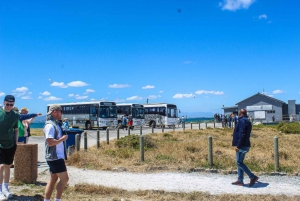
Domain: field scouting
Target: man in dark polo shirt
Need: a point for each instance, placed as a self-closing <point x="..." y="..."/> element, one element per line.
<point x="8" y="143"/>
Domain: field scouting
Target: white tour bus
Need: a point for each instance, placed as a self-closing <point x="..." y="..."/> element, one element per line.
<point x="135" y="110"/>
<point x="90" y="115"/>
<point x="160" y="114"/>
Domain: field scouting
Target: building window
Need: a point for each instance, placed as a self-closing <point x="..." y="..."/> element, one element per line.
<point x="270" y="111"/>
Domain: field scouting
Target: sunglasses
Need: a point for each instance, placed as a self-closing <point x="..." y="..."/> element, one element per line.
<point x="9" y="105"/>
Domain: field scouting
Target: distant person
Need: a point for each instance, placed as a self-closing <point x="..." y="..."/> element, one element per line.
<point x="8" y="143"/>
<point x="273" y="118"/>
<point x="235" y="119"/>
<point x="26" y="120"/>
<point x="241" y="142"/>
<point x="124" y="122"/>
<point x="178" y="121"/>
<point x="65" y="124"/>
<point x="130" y="122"/>
<point x="251" y="119"/>
<point x="55" y="153"/>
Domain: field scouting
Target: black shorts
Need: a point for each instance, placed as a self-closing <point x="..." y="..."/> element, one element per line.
<point x="57" y="166"/>
<point x="7" y="155"/>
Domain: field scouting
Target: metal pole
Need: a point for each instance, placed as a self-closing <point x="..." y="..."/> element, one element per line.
<point x="183" y="126"/>
<point x="162" y="128"/>
<point x="173" y="127"/>
<point x="152" y="128"/>
<point x="85" y="141"/>
<point x="210" y="151"/>
<point x="98" y="139"/>
<point x="77" y="142"/>
<point x="128" y="128"/>
<point x="141" y="130"/>
<point x="276" y="154"/>
<point x="214" y="125"/>
<point x="118" y="132"/>
<point x="142" y="148"/>
<point x="107" y="135"/>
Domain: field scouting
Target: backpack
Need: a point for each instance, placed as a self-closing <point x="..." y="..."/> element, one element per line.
<point x="21" y="129"/>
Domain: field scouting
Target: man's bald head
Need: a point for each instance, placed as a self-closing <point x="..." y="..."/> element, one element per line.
<point x="243" y="112"/>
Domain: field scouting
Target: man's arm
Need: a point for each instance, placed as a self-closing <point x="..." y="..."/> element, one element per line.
<point x="16" y="131"/>
<point x="27" y="116"/>
<point x="53" y="142"/>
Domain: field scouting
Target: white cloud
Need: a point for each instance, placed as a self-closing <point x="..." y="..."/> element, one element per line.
<point x="278" y="91"/>
<point x="158" y="96"/>
<point x="51" y="98"/>
<point x="71" y="95"/>
<point x="183" y="96"/>
<point x="148" y="87"/>
<point x="93" y="99"/>
<point x="58" y="84"/>
<point x="40" y="97"/>
<point x="118" y="85"/>
<point x="77" y="96"/>
<point x="46" y="93"/>
<point x="26" y="97"/>
<point x="134" y="98"/>
<point x="152" y="97"/>
<point x="199" y="92"/>
<point x="234" y="5"/>
<point x="161" y="92"/>
<point x="77" y="84"/>
<point x="263" y="16"/>
<point x="29" y="93"/>
<point x="20" y="91"/>
<point x="119" y="100"/>
<point x="2" y="94"/>
<point x="187" y="62"/>
<point x="90" y="91"/>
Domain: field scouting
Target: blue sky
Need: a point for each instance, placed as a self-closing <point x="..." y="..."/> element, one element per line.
<point x="199" y="55"/>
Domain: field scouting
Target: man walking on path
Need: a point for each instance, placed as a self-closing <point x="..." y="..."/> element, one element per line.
<point x="241" y="140"/>
<point x="55" y="153"/>
<point x="8" y="143"/>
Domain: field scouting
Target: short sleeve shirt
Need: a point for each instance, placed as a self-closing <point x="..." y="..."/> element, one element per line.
<point x="8" y="122"/>
<point x="49" y="131"/>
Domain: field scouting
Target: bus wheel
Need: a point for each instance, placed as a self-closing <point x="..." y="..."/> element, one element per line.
<point x="88" y="126"/>
<point x="153" y="124"/>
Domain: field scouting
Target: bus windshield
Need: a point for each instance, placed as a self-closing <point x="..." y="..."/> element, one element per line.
<point x="172" y="112"/>
<point x="108" y="112"/>
<point x="138" y="113"/>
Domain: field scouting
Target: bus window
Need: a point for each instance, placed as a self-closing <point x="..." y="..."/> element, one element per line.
<point x="93" y="111"/>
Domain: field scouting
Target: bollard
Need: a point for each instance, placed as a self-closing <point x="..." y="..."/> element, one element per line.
<point x="152" y="128"/>
<point x="162" y="128"/>
<point x="85" y="141"/>
<point x="107" y="135"/>
<point x="174" y="127"/>
<point x="276" y="154"/>
<point x="98" y="139"/>
<point x="191" y="126"/>
<point x="77" y="142"/>
<point x="183" y="126"/>
<point x="118" y="132"/>
<point x="206" y="125"/>
<point x="214" y="125"/>
<point x="142" y="148"/>
<point x="210" y="151"/>
<point x="128" y="130"/>
<point x="199" y="126"/>
<point x="141" y="130"/>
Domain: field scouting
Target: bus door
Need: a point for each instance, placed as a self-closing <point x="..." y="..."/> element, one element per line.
<point x="93" y="115"/>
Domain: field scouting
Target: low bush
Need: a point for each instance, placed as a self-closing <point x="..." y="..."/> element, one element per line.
<point x="289" y="128"/>
<point x="133" y="141"/>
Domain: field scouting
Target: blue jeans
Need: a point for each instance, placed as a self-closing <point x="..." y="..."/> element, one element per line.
<point x="240" y="156"/>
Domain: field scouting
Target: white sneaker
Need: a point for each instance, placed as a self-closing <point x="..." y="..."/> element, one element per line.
<point x="7" y="193"/>
<point x="2" y="196"/>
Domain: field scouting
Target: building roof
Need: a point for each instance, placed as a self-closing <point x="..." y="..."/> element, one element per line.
<point x="230" y="107"/>
<point x="263" y="95"/>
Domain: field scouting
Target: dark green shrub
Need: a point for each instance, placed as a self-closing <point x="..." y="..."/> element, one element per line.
<point x="133" y="141"/>
<point x="293" y="128"/>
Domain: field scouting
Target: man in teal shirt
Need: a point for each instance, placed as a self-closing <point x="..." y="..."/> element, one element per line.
<point x="8" y="143"/>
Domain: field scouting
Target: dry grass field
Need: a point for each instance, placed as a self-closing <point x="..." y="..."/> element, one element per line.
<point x="184" y="151"/>
<point x="179" y="151"/>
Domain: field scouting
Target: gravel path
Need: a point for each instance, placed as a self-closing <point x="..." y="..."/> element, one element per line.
<point x="186" y="182"/>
